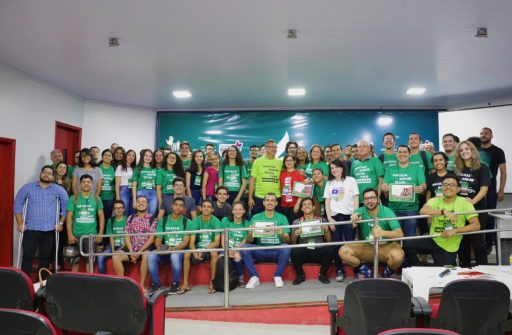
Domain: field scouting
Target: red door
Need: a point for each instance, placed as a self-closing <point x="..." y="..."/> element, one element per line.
<point x="68" y="139"/>
<point x="8" y="154"/>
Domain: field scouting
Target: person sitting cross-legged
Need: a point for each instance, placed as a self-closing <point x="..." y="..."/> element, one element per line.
<point x="173" y="222"/>
<point x="358" y="255"/>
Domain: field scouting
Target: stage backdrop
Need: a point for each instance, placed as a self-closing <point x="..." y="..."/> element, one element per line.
<point x="305" y="127"/>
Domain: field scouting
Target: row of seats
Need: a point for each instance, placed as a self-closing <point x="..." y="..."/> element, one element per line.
<point x="468" y="307"/>
<point x="80" y="302"/>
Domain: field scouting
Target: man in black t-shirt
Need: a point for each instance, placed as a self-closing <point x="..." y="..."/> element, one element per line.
<point x="494" y="157"/>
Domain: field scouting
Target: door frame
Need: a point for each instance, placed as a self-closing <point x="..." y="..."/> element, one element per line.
<point x="7" y="239"/>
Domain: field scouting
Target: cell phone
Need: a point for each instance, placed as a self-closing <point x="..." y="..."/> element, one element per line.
<point x="445" y="273"/>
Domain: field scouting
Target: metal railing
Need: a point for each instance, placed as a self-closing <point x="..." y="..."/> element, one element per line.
<point x="225" y="231"/>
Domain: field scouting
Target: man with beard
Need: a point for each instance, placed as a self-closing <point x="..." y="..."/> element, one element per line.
<point x="43" y="197"/>
<point x="450" y="141"/>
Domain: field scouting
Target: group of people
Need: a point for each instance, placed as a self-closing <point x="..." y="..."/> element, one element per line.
<point x="190" y="191"/>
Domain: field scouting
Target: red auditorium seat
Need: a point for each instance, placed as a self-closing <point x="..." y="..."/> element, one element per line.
<point x="16" y="321"/>
<point x="16" y="289"/>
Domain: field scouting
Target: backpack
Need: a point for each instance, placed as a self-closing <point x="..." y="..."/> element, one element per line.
<point x="218" y="280"/>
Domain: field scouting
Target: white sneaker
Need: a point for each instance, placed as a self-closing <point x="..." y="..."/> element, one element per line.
<point x="253" y="282"/>
<point x="278" y="282"/>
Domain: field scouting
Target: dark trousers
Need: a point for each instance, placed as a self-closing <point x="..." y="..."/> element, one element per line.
<point x="475" y="241"/>
<point x="290" y="215"/>
<point x="492" y="201"/>
<point x="32" y="240"/>
<point x="427" y="246"/>
<point x="343" y="232"/>
<point x="322" y="256"/>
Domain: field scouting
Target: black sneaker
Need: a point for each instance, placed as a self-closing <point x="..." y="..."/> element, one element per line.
<point x="299" y="280"/>
<point x="323" y="278"/>
<point x="174" y="288"/>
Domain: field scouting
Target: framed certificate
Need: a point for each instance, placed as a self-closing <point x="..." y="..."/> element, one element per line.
<point x="309" y="228"/>
<point x="264" y="232"/>
<point x="402" y="193"/>
<point x="302" y="190"/>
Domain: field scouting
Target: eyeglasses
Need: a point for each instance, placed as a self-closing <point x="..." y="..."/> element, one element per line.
<point x="449" y="185"/>
<point x="370" y="198"/>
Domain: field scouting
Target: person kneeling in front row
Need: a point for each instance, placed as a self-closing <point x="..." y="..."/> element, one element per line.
<point x="358" y="254"/>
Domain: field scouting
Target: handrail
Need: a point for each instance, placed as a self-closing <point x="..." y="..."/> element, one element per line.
<point x="226" y="249"/>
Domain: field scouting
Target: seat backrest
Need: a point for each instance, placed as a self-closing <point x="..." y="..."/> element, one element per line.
<point x="16" y="289"/>
<point x="89" y="303"/>
<point x="418" y="331"/>
<point x="375" y="305"/>
<point x="21" y="322"/>
<point x="474" y="306"/>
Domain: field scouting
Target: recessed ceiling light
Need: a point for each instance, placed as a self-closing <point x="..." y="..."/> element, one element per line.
<point x="416" y="91"/>
<point x="296" y="92"/>
<point x="181" y="94"/>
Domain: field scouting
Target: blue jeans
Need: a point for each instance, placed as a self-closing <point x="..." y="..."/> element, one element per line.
<point x="125" y="194"/>
<point x="176" y="260"/>
<point x="343" y="232"/>
<point x="152" y="200"/>
<point x="280" y="256"/>
<point x="408" y="225"/>
<point x="102" y="259"/>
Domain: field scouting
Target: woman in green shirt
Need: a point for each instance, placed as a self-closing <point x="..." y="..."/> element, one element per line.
<point x="107" y="193"/>
<point x="172" y="168"/>
<point x="233" y="174"/>
<point x="144" y="181"/>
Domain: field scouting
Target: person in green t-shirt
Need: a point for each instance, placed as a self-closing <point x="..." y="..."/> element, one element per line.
<point x="264" y="179"/>
<point x="403" y="184"/>
<point x="107" y="193"/>
<point x="356" y="255"/>
<point x="388" y="157"/>
<point x="368" y="171"/>
<point x="450" y="141"/>
<point x="444" y="222"/>
<point x="115" y="225"/>
<point x="233" y="175"/>
<point x="198" y="241"/>
<point x="172" y="168"/>
<point x="84" y="217"/>
<point x="185" y="154"/>
<point x="236" y="238"/>
<point x="318" y="191"/>
<point x="174" y="222"/>
<point x="418" y="157"/>
<point x="144" y="181"/>
<point x="267" y="237"/>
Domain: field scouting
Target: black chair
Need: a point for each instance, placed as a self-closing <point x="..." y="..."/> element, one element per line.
<point x="418" y="331"/>
<point x="16" y="289"/>
<point x="375" y="305"/>
<point x="90" y="303"/>
<point x="21" y="322"/>
<point x="474" y="306"/>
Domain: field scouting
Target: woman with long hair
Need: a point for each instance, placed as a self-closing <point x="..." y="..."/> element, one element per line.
<point x="289" y="175"/>
<point x="474" y="183"/>
<point x="194" y="177"/>
<point x="233" y="174"/>
<point x="61" y="176"/>
<point x="173" y="167"/>
<point x="341" y="196"/>
<point x="107" y="193"/>
<point x="123" y="180"/>
<point x="302" y="158"/>
<point x="119" y="154"/>
<point x="158" y="159"/>
<point x="211" y="178"/>
<point x="316" y="161"/>
<point x="144" y="181"/>
<point x="236" y="238"/>
<point x="87" y="165"/>
<point x="435" y="179"/>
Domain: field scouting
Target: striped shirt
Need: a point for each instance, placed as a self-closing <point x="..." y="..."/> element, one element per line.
<point x="42" y="205"/>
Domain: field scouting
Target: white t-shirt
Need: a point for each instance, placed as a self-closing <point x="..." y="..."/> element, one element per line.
<point x="341" y="195"/>
<point x="125" y="175"/>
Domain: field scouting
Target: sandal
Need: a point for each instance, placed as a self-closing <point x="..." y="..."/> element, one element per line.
<point x="211" y="289"/>
<point x="183" y="290"/>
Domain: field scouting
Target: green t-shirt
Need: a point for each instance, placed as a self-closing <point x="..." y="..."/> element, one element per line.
<point x="232" y="177"/>
<point x="171" y="240"/>
<point x="145" y="178"/>
<point x="366" y="174"/>
<point x="440" y="223"/>
<point x="410" y="175"/>
<point x="204" y="239"/>
<point x="390" y="160"/>
<point x="279" y="221"/>
<point x="266" y="173"/>
<point x="235" y="237"/>
<point x="318" y="193"/>
<point x="164" y="178"/>
<point x="85" y="213"/>
<point x="107" y="187"/>
<point x="450" y="166"/>
<point x="116" y="227"/>
<point x="384" y="213"/>
<point x="186" y="164"/>
<point x="415" y="159"/>
<point x="310" y="167"/>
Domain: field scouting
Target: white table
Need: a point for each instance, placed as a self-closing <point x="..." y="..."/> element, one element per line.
<point x="422" y="278"/>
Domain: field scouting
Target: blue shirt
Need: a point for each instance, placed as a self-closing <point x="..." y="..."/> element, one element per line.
<point x="42" y="204"/>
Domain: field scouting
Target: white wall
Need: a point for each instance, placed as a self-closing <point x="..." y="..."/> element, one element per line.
<point x="469" y="123"/>
<point x="132" y="128"/>
<point x="28" y="111"/>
